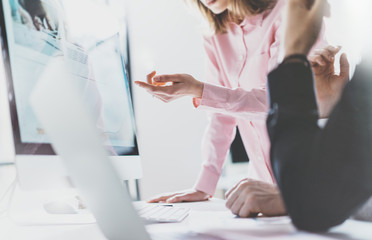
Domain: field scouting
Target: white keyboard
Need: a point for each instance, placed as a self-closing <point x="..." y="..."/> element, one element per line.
<point x="161" y="212"/>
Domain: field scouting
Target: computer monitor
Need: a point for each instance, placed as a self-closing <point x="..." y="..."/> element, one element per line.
<point x="91" y="37"/>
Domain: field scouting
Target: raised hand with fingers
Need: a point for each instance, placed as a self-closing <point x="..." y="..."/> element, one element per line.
<point x="183" y="196"/>
<point x="170" y="87"/>
<point x="328" y="84"/>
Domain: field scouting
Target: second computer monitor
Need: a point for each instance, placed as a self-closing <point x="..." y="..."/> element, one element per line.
<point x="90" y="35"/>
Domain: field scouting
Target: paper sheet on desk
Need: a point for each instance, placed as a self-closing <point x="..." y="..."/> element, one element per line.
<point x="227" y="226"/>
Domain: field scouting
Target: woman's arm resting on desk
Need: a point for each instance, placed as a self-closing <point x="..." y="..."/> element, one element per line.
<point x="182" y="196"/>
<point x="216" y="143"/>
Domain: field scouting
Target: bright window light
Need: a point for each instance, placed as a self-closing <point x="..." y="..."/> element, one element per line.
<point x="350" y="26"/>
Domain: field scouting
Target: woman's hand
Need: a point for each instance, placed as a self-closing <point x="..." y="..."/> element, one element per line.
<point x="170" y="87"/>
<point x="328" y="85"/>
<point x="183" y="196"/>
<point x="249" y="197"/>
<point x="304" y="21"/>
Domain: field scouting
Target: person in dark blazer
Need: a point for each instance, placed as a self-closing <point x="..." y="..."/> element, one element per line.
<point x="324" y="174"/>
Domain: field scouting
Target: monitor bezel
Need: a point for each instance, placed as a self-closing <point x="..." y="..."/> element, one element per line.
<point x="27" y="148"/>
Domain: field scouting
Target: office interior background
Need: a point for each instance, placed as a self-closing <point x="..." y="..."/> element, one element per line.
<point x="165" y="35"/>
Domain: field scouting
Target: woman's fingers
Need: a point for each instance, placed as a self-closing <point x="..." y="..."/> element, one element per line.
<point x="162" y="198"/>
<point x="179" y="85"/>
<point x="150" y="77"/>
<point x="164" y="93"/>
<point x="154" y="89"/>
<point x="175" y="78"/>
<point x="184" y="196"/>
<point x="146" y="86"/>
<point x="188" y="197"/>
<point x="179" y="198"/>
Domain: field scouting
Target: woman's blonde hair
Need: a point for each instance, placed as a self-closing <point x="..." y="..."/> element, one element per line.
<point x="240" y="9"/>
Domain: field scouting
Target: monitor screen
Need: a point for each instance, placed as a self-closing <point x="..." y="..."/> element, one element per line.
<point x="90" y="36"/>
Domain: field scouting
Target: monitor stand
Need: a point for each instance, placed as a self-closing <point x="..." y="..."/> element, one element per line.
<point x="62" y="207"/>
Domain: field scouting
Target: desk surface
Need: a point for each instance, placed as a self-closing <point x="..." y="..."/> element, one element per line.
<point x="210" y="218"/>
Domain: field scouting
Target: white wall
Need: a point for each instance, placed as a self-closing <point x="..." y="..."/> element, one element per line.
<point x="166" y="37"/>
<point x="348" y="27"/>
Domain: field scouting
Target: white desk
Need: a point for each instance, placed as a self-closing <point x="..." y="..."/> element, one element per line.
<point x="209" y="217"/>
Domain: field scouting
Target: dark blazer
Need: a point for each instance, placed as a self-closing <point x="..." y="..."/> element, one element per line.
<point x="324" y="175"/>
